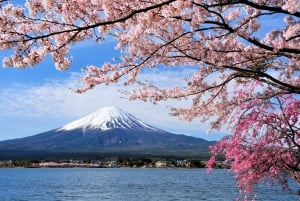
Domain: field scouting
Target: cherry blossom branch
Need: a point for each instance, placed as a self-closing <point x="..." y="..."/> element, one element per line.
<point x="256" y="74"/>
<point x="99" y="24"/>
<point x="254" y="5"/>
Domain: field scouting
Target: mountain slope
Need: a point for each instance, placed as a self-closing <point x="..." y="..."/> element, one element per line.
<point x="109" y="131"/>
<point x="108" y="118"/>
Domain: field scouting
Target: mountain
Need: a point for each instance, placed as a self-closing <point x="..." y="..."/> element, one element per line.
<point x="109" y="131"/>
<point x="108" y="118"/>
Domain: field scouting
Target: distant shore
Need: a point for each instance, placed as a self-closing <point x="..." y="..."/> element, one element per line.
<point x="109" y="163"/>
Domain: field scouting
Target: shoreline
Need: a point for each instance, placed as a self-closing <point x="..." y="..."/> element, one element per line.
<point x="119" y="163"/>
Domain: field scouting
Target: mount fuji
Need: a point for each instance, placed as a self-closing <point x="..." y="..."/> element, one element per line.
<point x="110" y="131"/>
<point x="108" y="118"/>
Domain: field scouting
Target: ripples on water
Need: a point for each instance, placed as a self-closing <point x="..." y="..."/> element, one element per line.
<point x="72" y="184"/>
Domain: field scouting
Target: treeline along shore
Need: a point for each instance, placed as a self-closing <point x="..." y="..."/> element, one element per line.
<point x="111" y="163"/>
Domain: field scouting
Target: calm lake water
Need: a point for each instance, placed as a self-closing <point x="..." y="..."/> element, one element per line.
<point x="72" y="184"/>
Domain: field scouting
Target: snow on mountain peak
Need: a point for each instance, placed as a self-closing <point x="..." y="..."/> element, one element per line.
<point x="107" y="118"/>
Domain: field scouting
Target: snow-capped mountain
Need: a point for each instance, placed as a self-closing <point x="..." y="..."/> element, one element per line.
<point x="109" y="131"/>
<point x="107" y="118"/>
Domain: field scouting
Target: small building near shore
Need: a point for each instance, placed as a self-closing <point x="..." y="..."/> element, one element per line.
<point x="161" y="164"/>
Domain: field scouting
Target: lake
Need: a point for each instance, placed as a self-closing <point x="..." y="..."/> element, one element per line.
<point x="96" y="184"/>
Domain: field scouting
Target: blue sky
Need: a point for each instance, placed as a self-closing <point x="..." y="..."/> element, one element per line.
<point x="38" y="99"/>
